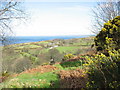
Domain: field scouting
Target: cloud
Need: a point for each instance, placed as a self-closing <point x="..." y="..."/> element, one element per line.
<point x="54" y="24"/>
<point x="62" y="20"/>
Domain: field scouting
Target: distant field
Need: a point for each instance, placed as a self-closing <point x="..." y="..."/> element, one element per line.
<point x="37" y="53"/>
<point x="29" y="46"/>
<point x="63" y="49"/>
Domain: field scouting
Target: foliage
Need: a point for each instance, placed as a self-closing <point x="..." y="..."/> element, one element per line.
<point x="21" y="65"/>
<point x="110" y="31"/>
<point x="31" y="57"/>
<point x="103" y="71"/>
<point x="72" y="63"/>
<point x="68" y="56"/>
<point x="5" y="74"/>
<point x="104" y="11"/>
<point x="73" y="79"/>
<point x="54" y="54"/>
<point x="45" y="64"/>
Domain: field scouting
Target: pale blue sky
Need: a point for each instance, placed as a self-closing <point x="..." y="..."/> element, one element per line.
<point x="68" y="17"/>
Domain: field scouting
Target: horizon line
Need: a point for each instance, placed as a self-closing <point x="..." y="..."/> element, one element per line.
<point x="62" y="35"/>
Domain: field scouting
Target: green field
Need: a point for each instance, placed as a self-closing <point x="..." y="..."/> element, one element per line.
<point x="63" y="49"/>
<point x="39" y="80"/>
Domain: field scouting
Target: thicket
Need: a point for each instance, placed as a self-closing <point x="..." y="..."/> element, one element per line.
<point x="104" y="70"/>
<point x="68" y="56"/>
<point x="110" y="32"/>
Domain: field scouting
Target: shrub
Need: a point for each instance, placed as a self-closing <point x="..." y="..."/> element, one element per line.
<point x="73" y="79"/>
<point x="74" y="63"/>
<point x="53" y="54"/>
<point x="103" y="71"/>
<point x="68" y="56"/>
<point x="21" y="64"/>
<point x="110" y="31"/>
<point x="33" y="58"/>
<point x="45" y="64"/>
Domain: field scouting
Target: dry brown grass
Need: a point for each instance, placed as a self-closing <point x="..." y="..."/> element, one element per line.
<point x="72" y="79"/>
<point x="41" y="69"/>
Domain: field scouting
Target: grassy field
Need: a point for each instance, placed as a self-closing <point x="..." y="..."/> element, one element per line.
<point x="46" y="76"/>
<point x="63" y="49"/>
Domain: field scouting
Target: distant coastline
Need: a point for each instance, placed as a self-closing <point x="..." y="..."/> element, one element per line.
<point x="27" y="39"/>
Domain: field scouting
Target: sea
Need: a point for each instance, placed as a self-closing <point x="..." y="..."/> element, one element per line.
<point x="26" y="39"/>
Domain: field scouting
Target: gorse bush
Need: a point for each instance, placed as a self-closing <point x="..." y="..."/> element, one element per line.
<point x="110" y="31"/>
<point x="68" y="56"/>
<point x="103" y="71"/>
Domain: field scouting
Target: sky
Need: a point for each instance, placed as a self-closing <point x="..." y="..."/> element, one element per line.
<point x="56" y="17"/>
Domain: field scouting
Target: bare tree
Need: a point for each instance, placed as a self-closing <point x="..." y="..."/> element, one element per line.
<point x="103" y="12"/>
<point x="10" y="10"/>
